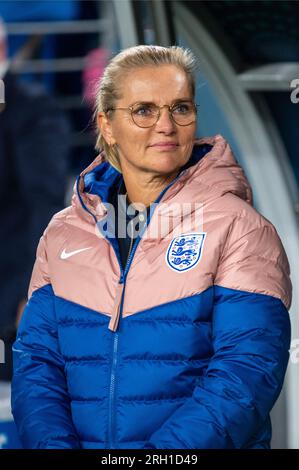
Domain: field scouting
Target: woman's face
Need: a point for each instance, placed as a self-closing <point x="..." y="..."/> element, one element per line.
<point x="137" y="147"/>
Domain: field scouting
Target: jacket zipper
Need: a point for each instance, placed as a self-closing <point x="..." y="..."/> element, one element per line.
<point x="115" y="317"/>
<point x="114" y="323"/>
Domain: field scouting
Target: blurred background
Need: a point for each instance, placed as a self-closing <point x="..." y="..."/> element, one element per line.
<point x="51" y="54"/>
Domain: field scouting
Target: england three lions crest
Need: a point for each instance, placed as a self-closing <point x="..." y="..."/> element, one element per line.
<point x="184" y="252"/>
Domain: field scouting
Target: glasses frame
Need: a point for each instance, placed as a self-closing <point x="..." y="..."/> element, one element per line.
<point x="170" y="109"/>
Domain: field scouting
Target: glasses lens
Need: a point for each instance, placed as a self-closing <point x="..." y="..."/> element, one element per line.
<point x="145" y="115"/>
<point x="184" y="113"/>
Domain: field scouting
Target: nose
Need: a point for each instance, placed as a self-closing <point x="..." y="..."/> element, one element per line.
<point x="165" y="122"/>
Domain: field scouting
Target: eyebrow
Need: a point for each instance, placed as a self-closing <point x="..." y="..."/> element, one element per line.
<point x="177" y="100"/>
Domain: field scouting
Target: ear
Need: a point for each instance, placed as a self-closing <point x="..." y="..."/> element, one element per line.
<point x="105" y="127"/>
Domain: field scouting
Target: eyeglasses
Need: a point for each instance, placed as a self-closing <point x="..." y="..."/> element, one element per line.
<point x="147" y="114"/>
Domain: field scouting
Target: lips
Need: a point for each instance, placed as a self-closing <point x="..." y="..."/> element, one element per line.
<point x="165" y="144"/>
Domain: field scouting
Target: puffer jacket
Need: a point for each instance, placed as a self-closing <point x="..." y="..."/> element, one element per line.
<point x="185" y="348"/>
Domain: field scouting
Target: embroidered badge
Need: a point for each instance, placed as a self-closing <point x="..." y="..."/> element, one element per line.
<point x="185" y="251"/>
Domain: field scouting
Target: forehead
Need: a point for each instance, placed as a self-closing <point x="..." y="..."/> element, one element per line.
<point x="158" y="84"/>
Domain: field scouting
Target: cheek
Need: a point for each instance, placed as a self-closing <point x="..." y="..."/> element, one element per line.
<point x="187" y="142"/>
<point x="140" y="138"/>
<point x="188" y="138"/>
<point x="132" y="141"/>
<point x="188" y="132"/>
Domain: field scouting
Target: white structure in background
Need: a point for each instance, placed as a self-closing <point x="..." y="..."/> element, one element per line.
<point x="5" y="410"/>
<point x="3" y="440"/>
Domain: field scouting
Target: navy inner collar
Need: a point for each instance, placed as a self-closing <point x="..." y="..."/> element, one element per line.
<point x="124" y="207"/>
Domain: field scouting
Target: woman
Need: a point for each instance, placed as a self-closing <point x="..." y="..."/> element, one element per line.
<point x="179" y="337"/>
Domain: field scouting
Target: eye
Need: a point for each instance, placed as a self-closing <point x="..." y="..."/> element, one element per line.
<point x="182" y="108"/>
<point x="143" y="110"/>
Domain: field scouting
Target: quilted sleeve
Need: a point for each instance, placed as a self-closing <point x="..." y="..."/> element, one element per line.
<point x="40" y="401"/>
<point x="251" y="341"/>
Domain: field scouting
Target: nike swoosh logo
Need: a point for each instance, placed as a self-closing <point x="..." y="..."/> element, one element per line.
<point x="65" y="255"/>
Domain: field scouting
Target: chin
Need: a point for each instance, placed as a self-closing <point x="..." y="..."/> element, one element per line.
<point x="165" y="168"/>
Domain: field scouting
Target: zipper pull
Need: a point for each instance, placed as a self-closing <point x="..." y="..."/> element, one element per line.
<point x="116" y="308"/>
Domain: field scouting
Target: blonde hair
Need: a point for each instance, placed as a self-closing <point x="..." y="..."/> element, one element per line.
<point x="109" y="86"/>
